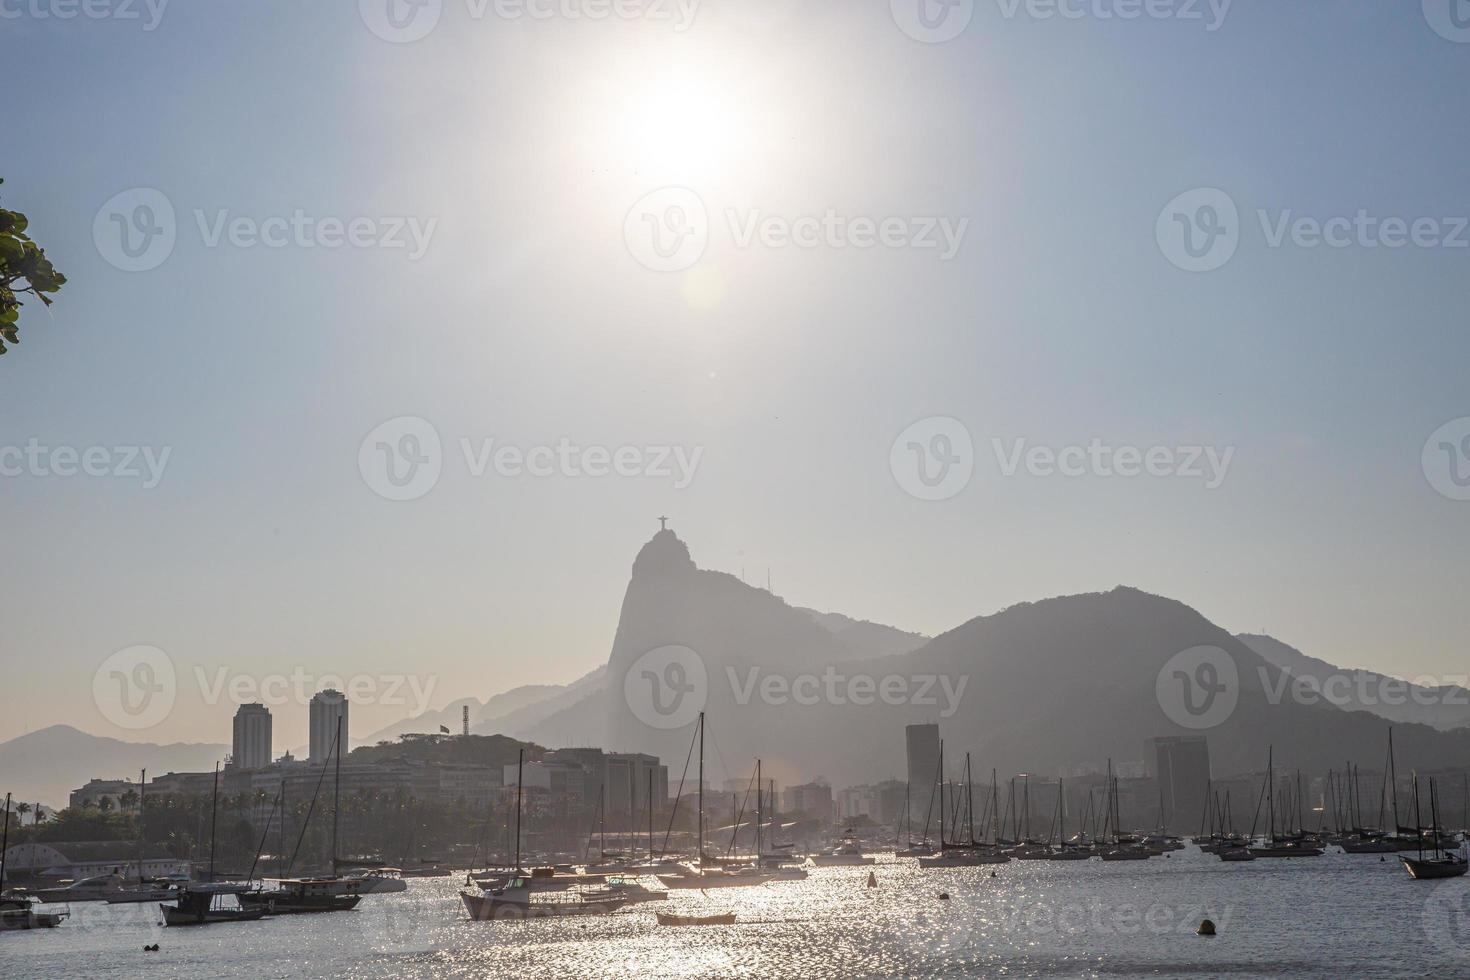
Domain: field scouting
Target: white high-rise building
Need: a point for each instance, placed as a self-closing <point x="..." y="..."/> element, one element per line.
<point x="252" y="745"/>
<point x="326" y="708"/>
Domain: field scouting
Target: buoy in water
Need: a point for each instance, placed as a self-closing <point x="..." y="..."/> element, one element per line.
<point x="1206" y="928"/>
<point x="944" y="896"/>
<point x="872" y="879"/>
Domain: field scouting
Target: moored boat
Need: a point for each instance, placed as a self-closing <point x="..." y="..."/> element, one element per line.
<point x="717" y="919"/>
<point x="202" y="904"/>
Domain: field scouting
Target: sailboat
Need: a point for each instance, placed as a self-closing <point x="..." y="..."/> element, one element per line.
<point x="199" y="903"/>
<point x="1123" y="847"/>
<point x="1361" y="840"/>
<point x="17" y="912"/>
<point x="1444" y="864"/>
<point x="324" y="893"/>
<point x="1278" y="845"/>
<point x="911" y="849"/>
<point x="706" y="871"/>
<point x="962" y="855"/>
<point x="517" y="897"/>
<point x="778" y="860"/>
<point x="1064" y="850"/>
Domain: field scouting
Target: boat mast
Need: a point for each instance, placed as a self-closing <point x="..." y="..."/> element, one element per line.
<point x="4" y="843"/>
<point x="1061" y="812"/>
<point x="336" y="793"/>
<point x="281" y="858"/>
<point x="1418" y="820"/>
<point x="941" y="794"/>
<point x="969" y="799"/>
<point x="757" y="813"/>
<point x="213" y="816"/>
<point x="142" y="789"/>
<point x="650" y="815"/>
<point x="1394" y="781"/>
<point x="700" y="822"/>
<point x="1271" y="791"/>
<point x="520" y="768"/>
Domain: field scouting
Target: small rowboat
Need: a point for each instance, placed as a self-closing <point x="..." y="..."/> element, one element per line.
<point x="722" y="919"/>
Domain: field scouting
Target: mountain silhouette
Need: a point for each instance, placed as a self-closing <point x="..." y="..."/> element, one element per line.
<point x="1040" y="687"/>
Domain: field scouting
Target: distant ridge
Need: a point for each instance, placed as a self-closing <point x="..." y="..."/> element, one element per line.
<point x="1047" y="686"/>
<point x="45" y="766"/>
<point x="1445" y="707"/>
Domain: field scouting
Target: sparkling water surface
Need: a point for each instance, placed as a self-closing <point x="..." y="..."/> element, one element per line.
<point x="1332" y="917"/>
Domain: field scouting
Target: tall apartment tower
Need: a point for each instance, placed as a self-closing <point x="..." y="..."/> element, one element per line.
<point x="326" y="708"/>
<point x="252" y="744"/>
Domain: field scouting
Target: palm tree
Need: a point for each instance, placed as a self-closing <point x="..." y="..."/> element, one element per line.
<point x="22" y="809"/>
<point x="105" y="805"/>
<point x="129" y="800"/>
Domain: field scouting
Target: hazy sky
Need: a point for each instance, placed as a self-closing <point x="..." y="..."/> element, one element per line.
<point x="518" y="148"/>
